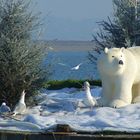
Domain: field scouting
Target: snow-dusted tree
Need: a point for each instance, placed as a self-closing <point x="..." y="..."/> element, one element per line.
<point x="20" y="58"/>
<point x="121" y="31"/>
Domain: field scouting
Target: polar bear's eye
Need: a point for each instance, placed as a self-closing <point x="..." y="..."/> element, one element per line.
<point x="113" y="56"/>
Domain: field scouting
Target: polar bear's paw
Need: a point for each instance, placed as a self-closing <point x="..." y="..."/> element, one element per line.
<point x="118" y="103"/>
<point x="136" y="100"/>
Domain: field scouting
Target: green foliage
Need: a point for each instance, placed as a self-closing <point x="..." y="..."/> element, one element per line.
<point x="123" y="30"/>
<point x="56" y="84"/>
<point x="20" y="58"/>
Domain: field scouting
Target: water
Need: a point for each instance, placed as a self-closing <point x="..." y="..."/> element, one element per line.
<point x="71" y="58"/>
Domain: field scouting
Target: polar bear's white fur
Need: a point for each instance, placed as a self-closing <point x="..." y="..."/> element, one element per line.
<point x="119" y="69"/>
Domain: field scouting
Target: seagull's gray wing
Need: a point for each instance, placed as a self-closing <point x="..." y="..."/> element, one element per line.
<point x="80" y="64"/>
<point x="4" y="109"/>
<point x="94" y="100"/>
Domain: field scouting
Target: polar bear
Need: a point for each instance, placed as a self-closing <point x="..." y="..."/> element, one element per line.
<point x="119" y="70"/>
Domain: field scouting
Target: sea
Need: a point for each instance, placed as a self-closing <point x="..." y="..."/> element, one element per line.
<point x="64" y="55"/>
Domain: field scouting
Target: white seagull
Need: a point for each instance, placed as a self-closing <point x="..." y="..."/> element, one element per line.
<point x="71" y="68"/>
<point x="4" y="108"/>
<point x="20" y="107"/>
<point x="76" y="67"/>
<point x="92" y="101"/>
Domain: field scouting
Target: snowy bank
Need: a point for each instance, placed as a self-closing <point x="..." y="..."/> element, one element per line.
<point x="69" y="106"/>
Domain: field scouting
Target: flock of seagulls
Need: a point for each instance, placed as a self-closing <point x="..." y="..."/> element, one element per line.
<point x="20" y="107"/>
<point x="91" y="100"/>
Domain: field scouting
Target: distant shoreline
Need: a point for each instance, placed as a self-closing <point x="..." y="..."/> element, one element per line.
<point x="74" y="46"/>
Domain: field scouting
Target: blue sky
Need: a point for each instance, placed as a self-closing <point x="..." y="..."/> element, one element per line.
<point x="72" y="19"/>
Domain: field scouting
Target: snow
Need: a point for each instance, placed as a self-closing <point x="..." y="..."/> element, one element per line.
<point x="69" y="106"/>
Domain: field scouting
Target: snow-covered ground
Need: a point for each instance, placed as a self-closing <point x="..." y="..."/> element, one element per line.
<point x="68" y="106"/>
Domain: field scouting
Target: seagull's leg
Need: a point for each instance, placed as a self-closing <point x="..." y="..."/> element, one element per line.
<point x="91" y="108"/>
<point x="14" y="114"/>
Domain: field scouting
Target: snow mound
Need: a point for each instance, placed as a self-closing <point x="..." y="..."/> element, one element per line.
<point x="69" y="106"/>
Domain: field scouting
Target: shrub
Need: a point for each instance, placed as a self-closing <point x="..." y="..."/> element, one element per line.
<point x="20" y="58"/>
<point x="123" y="30"/>
<point x="56" y="84"/>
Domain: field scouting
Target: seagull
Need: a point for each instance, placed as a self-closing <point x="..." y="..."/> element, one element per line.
<point x="73" y="68"/>
<point x="20" y="106"/>
<point x="92" y="101"/>
<point x="4" y="108"/>
<point x="76" y="67"/>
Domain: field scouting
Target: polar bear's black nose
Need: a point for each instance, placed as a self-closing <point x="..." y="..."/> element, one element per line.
<point x="121" y="62"/>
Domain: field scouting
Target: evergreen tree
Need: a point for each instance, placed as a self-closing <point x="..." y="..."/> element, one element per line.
<point x="20" y="58"/>
<point x="121" y="31"/>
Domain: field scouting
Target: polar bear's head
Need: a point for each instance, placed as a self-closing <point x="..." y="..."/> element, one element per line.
<point x="113" y="60"/>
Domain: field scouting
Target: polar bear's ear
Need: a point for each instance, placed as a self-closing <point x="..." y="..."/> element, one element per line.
<point x="122" y="49"/>
<point x="106" y="50"/>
